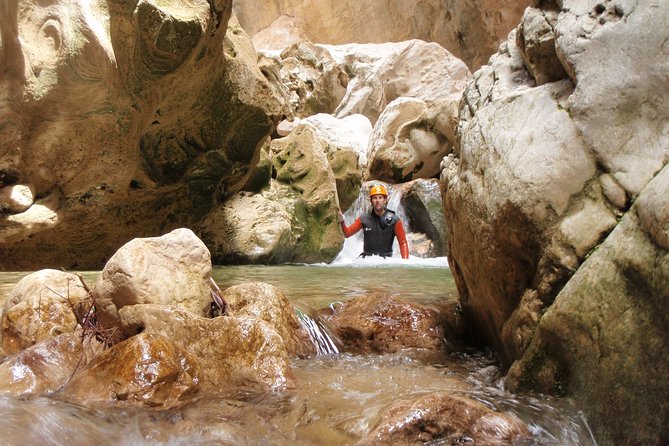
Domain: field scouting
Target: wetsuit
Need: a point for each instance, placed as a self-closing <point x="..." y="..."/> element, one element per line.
<point x="379" y="233"/>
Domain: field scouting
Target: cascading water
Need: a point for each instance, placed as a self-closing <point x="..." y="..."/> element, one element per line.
<point x="318" y="332"/>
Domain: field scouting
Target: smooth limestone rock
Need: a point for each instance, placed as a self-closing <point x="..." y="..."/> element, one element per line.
<point x="422" y="202"/>
<point x="124" y="119"/>
<point x="559" y="189"/>
<point x="381" y="73"/>
<point x="232" y="352"/>
<point x="174" y="269"/>
<point x="42" y="368"/>
<point x="42" y="305"/>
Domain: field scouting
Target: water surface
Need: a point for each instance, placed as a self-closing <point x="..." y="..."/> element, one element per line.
<point x="338" y="399"/>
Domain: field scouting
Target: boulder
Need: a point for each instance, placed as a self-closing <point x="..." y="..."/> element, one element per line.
<point x="16" y="198"/>
<point x="295" y="220"/>
<point x="266" y="302"/>
<point x="603" y="341"/>
<point x="42" y="305"/>
<point x="410" y="139"/>
<point x="535" y="38"/>
<point x="147" y="369"/>
<point x="447" y="419"/>
<point x="232" y="351"/>
<point x="172" y="269"/>
<point x="544" y="179"/>
<point x="422" y="204"/>
<point x="379" y="323"/>
<point x="381" y="73"/>
<point x="308" y="77"/>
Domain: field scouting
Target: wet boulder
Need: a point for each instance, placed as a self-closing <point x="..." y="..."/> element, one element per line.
<point x="172" y="269"/>
<point x="42" y="368"/>
<point x="383" y="72"/>
<point x="422" y="202"/>
<point x="231" y="351"/>
<point x="446" y="418"/>
<point x="42" y="305"/>
<point x="379" y="323"/>
<point x="266" y="302"/>
<point x="146" y="369"/>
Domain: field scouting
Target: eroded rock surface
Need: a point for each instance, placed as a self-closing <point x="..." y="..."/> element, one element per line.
<point x="547" y="186"/>
<point x="121" y="119"/>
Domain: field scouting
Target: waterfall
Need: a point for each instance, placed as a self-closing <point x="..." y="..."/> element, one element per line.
<point x="318" y="332"/>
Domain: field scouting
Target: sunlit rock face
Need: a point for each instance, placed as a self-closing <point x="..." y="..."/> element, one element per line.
<point x="174" y="269"/>
<point x="471" y="30"/>
<point x="120" y="119"/>
<point x="550" y="236"/>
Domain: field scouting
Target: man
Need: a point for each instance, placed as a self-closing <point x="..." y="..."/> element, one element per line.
<point x="380" y="227"/>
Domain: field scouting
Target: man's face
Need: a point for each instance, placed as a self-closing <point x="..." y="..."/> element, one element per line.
<point x="378" y="202"/>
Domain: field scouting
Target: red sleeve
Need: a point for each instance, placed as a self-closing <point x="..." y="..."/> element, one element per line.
<point x="350" y="230"/>
<point x="402" y="240"/>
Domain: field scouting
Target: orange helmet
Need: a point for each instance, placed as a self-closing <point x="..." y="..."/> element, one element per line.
<point x="378" y="189"/>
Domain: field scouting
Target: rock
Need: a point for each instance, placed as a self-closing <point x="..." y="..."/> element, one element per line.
<point x="422" y="204"/>
<point x="603" y="341"/>
<point x="146" y="369"/>
<point x="407" y="143"/>
<point x="470" y="29"/>
<point x="266" y="302"/>
<point x="295" y="220"/>
<point x="16" y="198"/>
<point x="310" y="78"/>
<point x="41" y="306"/>
<point x="381" y="73"/>
<point x="173" y="269"/>
<point x="232" y="351"/>
<point x="131" y="120"/>
<point x="446" y="418"/>
<point x="42" y="368"/>
<point x="381" y="324"/>
<point x="536" y="40"/>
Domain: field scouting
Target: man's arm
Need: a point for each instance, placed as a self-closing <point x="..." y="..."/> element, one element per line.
<point x="402" y="239"/>
<point x="350" y="230"/>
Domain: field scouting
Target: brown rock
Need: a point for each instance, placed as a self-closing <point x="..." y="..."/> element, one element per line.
<point x="266" y="302"/>
<point x="446" y="418"/>
<point x="381" y="324"/>
<point x="147" y="369"/>
<point x="42" y="305"/>
<point x="231" y="351"/>
<point x="43" y="368"/>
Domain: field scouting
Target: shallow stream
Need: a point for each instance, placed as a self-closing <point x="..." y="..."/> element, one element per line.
<point x="338" y="399"/>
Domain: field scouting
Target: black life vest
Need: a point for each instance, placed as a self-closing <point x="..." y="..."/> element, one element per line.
<point x="378" y="232"/>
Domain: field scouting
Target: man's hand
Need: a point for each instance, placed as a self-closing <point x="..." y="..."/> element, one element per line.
<point x="341" y="217"/>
